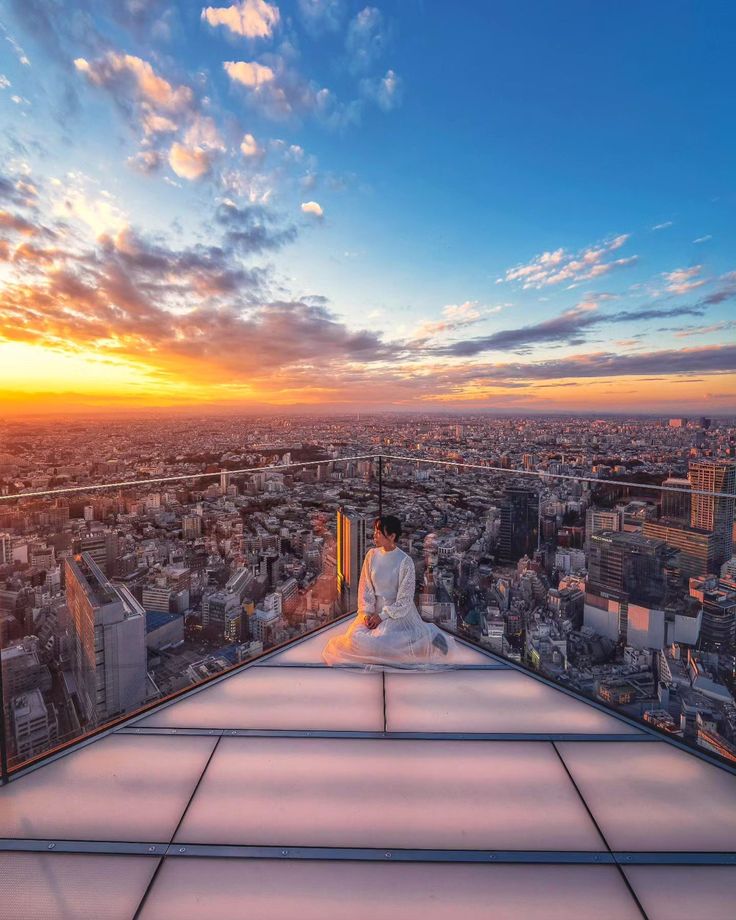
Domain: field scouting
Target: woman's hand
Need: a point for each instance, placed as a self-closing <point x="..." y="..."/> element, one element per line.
<point x="372" y="621"/>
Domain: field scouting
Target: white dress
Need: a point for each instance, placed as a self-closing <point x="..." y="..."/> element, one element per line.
<point x="403" y="640"/>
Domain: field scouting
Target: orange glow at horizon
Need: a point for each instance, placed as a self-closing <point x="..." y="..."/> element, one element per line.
<point x="40" y="380"/>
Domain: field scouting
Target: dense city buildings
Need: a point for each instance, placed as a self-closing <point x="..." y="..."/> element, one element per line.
<point x="598" y="551"/>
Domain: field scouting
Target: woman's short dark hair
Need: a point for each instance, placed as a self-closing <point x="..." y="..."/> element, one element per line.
<point x="389" y="525"/>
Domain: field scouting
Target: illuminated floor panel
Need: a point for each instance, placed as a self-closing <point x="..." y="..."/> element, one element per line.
<point x="379" y="793"/>
<point x="322" y="890"/>
<point x="488" y="701"/>
<point x="60" y="886"/>
<point x="281" y="698"/>
<point x="685" y="892"/>
<point x="118" y="788"/>
<point x="653" y="796"/>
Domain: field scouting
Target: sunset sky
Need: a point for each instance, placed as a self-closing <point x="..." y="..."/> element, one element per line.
<point x="483" y="205"/>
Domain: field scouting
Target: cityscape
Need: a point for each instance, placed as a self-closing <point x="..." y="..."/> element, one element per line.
<point x="598" y="552"/>
<point x="367" y="460"/>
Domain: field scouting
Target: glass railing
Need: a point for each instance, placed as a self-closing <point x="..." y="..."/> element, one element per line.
<point x="114" y="597"/>
<point x="598" y="583"/>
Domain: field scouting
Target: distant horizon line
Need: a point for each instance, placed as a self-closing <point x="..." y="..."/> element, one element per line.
<point x="298" y="412"/>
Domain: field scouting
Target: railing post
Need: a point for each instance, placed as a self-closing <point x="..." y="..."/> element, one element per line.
<point x="380" y="485"/>
<point x="3" y="736"/>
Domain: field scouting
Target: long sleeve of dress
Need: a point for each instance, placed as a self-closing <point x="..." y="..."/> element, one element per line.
<point x="405" y="594"/>
<point x="366" y="594"/>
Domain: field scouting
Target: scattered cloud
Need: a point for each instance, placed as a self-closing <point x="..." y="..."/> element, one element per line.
<point x="193" y="158"/>
<point x="252" y="228"/>
<point x="128" y="77"/>
<point x="703" y="239"/>
<point x="249" y="73"/>
<point x="311" y="207"/>
<point x="558" y="265"/>
<point x="454" y="317"/>
<point x="386" y="91"/>
<point x="4" y="82"/>
<point x="146" y="161"/>
<point x="17" y="50"/>
<point x="322" y="15"/>
<point x="683" y="280"/>
<point x="662" y="226"/>
<point x="366" y="39"/>
<point x="249" y="18"/>
<point x="189" y="163"/>
<point x="726" y="290"/>
<point x="249" y="146"/>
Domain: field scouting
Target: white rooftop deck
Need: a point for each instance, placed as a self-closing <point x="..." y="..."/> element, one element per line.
<point x="289" y="789"/>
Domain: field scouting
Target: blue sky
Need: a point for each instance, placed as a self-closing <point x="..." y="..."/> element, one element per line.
<point x="435" y="205"/>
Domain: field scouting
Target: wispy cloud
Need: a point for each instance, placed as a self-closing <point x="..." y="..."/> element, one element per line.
<point x="366" y="39"/>
<point x="558" y="265"/>
<point x="567" y="328"/>
<point x="385" y="91"/>
<point x="703" y="239"/>
<point x="683" y="280"/>
<point x="322" y="15"/>
<point x="662" y="226"/>
<point x="705" y="330"/>
<point x="454" y="317"/>
<point x="707" y="360"/>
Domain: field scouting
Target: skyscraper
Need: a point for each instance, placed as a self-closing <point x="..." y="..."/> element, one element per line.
<point x="519" y="525"/>
<point x="676" y="503"/>
<point x="108" y="644"/>
<point x="696" y="548"/>
<point x="629" y="564"/>
<point x="712" y="512"/>
<point x="600" y="519"/>
<point x="354" y="535"/>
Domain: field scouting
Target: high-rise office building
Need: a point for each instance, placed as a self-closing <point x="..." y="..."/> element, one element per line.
<point x="222" y="610"/>
<point x="354" y="538"/>
<point x="697" y="549"/>
<point x="714" y="512"/>
<point x="676" y="500"/>
<point x="598" y="520"/>
<point x="191" y="526"/>
<point x="519" y="524"/>
<point x="629" y="564"/>
<point x="6" y="549"/>
<point x="34" y="722"/>
<point x="109" y="642"/>
<point x="103" y="548"/>
<point x="718" y="597"/>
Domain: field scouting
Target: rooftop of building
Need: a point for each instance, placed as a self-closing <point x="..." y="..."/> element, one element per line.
<point x="287" y="788"/>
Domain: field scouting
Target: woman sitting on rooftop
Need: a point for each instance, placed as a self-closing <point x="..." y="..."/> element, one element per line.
<point x="388" y="630"/>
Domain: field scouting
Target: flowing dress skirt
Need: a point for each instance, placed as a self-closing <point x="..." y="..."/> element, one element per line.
<point x="407" y="643"/>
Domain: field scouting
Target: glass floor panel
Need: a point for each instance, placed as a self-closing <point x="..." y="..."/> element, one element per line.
<point x="653" y="796"/>
<point x="121" y="787"/>
<point x="388" y="793"/>
<point x="685" y="892"/>
<point x="62" y="886"/>
<point x="321" y="890"/>
<point x="281" y="698"/>
<point x="310" y="651"/>
<point x="488" y="701"/>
